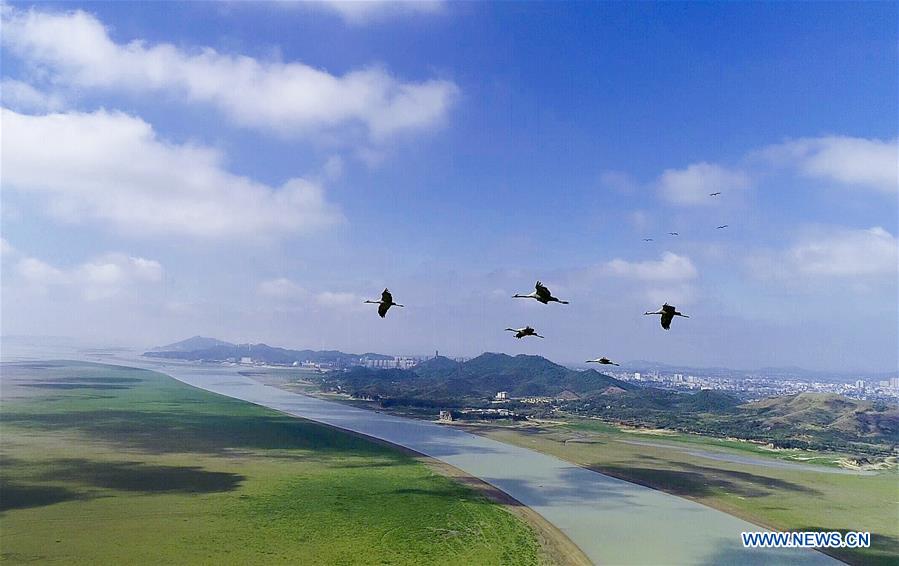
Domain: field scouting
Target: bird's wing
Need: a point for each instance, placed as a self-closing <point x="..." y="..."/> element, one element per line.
<point x="666" y="320"/>
<point x="542" y="291"/>
<point x="382" y="309"/>
<point x="386" y="296"/>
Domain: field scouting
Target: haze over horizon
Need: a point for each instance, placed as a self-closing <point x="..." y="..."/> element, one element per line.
<point x="243" y="181"/>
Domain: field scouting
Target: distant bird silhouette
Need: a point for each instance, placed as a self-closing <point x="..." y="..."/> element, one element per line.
<point x="542" y="294"/>
<point x="720" y="227"/>
<point x="647" y="239"/>
<point x="673" y="234"/>
<point x="522" y="332"/>
<point x="603" y="361"/>
<point x="668" y="313"/>
<point x="385" y="303"/>
<point x="714" y="194"/>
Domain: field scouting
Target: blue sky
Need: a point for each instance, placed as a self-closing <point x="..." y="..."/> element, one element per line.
<point x="251" y="171"/>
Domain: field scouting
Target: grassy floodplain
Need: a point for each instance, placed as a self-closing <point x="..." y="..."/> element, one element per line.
<point x="111" y="465"/>
<point x="782" y="498"/>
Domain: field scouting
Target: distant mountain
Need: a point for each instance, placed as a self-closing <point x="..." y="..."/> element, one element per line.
<point x="479" y="378"/>
<point x="199" y="348"/>
<point x="192" y="344"/>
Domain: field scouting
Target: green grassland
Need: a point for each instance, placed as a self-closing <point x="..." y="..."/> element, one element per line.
<point x="775" y="497"/>
<point x="110" y="465"/>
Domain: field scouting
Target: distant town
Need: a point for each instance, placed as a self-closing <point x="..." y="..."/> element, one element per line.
<point x="754" y="387"/>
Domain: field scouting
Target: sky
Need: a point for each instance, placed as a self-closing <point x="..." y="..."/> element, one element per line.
<point x="253" y="171"/>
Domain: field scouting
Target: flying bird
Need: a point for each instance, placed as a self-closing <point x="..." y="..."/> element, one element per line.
<point x="720" y="227"/>
<point x="522" y="332"/>
<point x="647" y="239"/>
<point x="714" y="194"/>
<point x="385" y="303"/>
<point x="542" y="294"/>
<point x="668" y="313"/>
<point x="603" y="361"/>
<point x="673" y="234"/>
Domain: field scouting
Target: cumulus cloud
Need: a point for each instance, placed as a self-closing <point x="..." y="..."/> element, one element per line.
<point x="361" y="12"/>
<point x="111" y="167"/>
<point x="859" y="162"/>
<point x="99" y="278"/>
<point x="22" y="96"/>
<point x="844" y="253"/>
<point x="289" y="98"/>
<point x="670" y="267"/>
<point x="692" y="185"/>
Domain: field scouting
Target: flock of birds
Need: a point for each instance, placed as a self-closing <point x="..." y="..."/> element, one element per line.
<point x="721" y="227"/>
<point x="542" y="294"/>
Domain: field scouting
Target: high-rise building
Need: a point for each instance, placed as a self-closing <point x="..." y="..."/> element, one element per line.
<point x="637" y="376"/>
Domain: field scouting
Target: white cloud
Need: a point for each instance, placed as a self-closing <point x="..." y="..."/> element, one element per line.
<point x="333" y="168"/>
<point x="641" y="220"/>
<point x="676" y="294"/>
<point x="332" y="299"/>
<point x="358" y="12"/>
<point x="692" y="186"/>
<point x="671" y="267"/>
<point x="869" y="163"/>
<point x="6" y="249"/>
<point x="618" y="181"/>
<point x="39" y="273"/>
<point x="843" y="253"/>
<point x="109" y="275"/>
<point x="289" y="292"/>
<point x="289" y="98"/>
<point x="100" y="278"/>
<point x="22" y="96"/>
<point x="847" y="253"/>
<point x="281" y="288"/>
<point x="111" y="167"/>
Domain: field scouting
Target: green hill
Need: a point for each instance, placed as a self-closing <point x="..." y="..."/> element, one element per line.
<point x="821" y="412"/>
<point x="441" y="379"/>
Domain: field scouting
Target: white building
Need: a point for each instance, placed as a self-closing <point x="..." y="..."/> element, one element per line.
<point x="246" y="360"/>
<point x="637" y="376"/>
<point x="502" y="395"/>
